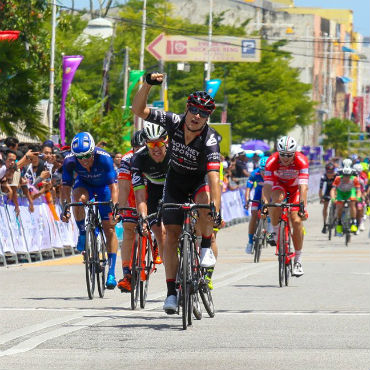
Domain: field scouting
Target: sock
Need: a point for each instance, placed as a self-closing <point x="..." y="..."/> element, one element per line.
<point x="171" y="287"/>
<point x="126" y="268"/>
<point x="210" y="272"/>
<point x="112" y="263"/>
<point x="250" y="238"/>
<point x="206" y="241"/>
<point x="297" y="257"/>
<point x="339" y="222"/>
<point x="81" y="227"/>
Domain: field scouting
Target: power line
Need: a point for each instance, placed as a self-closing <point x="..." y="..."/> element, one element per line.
<point x="190" y="34"/>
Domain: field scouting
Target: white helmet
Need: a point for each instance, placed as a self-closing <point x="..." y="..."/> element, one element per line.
<point x="286" y="144"/>
<point x="358" y="167"/>
<point x="347" y="162"/>
<point x="153" y="131"/>
<point x="347" y="171"/>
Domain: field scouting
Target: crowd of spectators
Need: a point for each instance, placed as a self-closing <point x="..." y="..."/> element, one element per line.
<point x="238" y="168"/>
<point x="30" y="170"/>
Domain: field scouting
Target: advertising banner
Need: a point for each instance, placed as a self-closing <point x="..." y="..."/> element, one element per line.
<point x="70" y="64"/>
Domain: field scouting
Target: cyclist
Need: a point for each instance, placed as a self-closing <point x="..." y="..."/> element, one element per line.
<point x="256" y="177"/>
<point x="129" y="219"/>
<point x="194" y="153"/>
<point x="286" y="172"/>
<point x="326" y="183"/>
<point x="346" y="187"/>
<point x="361" y="204"/>
<point x="96" y="176"/>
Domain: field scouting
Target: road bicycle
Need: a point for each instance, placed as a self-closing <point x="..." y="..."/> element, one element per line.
<point x="190" y="277"/>
<point x="284" y="241"/>
<point x="346" y="222"/>
<point x="260" y="235"/>
<point x="331" y="219"/>
<point x="95" y="253"/>
<point x="142" y="263"/>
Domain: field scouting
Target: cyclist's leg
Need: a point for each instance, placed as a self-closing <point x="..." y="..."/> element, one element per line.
<point x="104" y="195"/>
<point x="172" y="220"/>
<point x="129" y="225"/>
<point x="80" y="194"/>
<point x="205" y="225"/>
<point x="277" y="196"/>
<point x="325" y="214"/>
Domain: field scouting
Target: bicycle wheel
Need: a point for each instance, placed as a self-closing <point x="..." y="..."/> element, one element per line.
<point x="102" y="264"/>
<point x="145" y="274"/>
<point x="287" y="260"/>
<point x="194" y="265"/>
<point x="346" y="226"/>
<point x="331" y="220"/>
<point x="89" y="256"/>
<point x="135" y="272"/>
<point x="281" y="252"/>
<point x="257" y="242"/>
<point x="206" y="295"/>
<point x="185" y="287"/>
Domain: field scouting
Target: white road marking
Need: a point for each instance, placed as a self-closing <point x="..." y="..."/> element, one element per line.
<point x="29" y="344"/>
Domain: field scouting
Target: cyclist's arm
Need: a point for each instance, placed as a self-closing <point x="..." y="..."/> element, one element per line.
<point x="114" y="192"/>
<point x="247" y="191"/>
<point x="303" y="190"/>
<point x="140" y="100"/>
<point x="124" y="191"/>
<point x="266" y="192"/>
<point x="214" y="188"/>
<point x="65" y="193"/>
<point x="140" y="197"/>
<point x="333" y="192"/>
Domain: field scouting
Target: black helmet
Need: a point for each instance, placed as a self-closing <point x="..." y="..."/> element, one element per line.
<point x="329" y="167"/>
<point x="202" y="100"/>
<point x="137" y="139"/>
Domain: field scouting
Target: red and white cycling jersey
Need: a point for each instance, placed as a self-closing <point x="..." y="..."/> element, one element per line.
<point x="124" y="173"/>
<point x="287" y="176"/>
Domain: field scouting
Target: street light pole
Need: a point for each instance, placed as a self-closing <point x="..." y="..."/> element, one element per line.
<point x="210" y="21"/>
<point x="139" y="121"/>
<point x="52" y="57"/>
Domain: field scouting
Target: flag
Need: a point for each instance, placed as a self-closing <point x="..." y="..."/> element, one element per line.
<point x="70" y="64"/>
<point x="212" y="86"/>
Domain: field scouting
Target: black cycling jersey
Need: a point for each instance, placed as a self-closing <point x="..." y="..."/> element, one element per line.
<point x="145" y="169"/>
<point x="198" y="157"/>
<point x="325" y="185"/>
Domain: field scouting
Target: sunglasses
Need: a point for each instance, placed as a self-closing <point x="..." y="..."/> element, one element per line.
<point x="85" y="156"/>
<point x="286" y="155"/>
<point x="152" y="145"/>
<point x="195" y="110"/>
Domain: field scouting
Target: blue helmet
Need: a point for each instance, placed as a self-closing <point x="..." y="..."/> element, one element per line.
<point x="263" y="161"/>
<point x="82" y="144"/>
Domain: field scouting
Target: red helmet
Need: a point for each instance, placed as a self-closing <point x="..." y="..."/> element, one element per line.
<point x="202" y="100"/>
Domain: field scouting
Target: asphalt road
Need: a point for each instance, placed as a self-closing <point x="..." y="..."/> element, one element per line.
<point x="321" y="321"/>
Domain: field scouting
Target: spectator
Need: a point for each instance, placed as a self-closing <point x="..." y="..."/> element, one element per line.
<point x="12" y="176"/>
<point x="240" y="166"/>
<point x="117" y="161"/>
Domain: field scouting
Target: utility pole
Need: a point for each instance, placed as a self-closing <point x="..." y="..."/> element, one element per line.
<point x="52" y="57"/>
<point x="139" y="121"/>
<point x="330" y="84"/>
<point x="125" y="79"/>
<point x="210" y="22"/>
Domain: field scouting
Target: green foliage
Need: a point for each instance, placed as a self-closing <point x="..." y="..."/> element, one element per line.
<point x="336" y="134"/>
<point x="19" y="92"/>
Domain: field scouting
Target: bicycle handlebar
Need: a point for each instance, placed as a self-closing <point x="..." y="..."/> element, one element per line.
<point x="289" y="205"/>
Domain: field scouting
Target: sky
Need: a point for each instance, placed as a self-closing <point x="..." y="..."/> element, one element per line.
<point x="361" y="9"/>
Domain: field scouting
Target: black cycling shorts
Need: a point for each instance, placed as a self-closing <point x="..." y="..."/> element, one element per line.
<point x="179" y="188"/>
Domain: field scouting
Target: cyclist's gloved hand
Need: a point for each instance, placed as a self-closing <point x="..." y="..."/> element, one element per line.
<point x="217" y="220"/>
<point x="264" y="210"/>
<point x="66" y="214"/>
<point x="154" y="78"/>
<point x="302" y="211"/>
<point x="246" y="206"/>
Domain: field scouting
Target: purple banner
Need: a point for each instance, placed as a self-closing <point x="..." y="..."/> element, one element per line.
<point x="70" y="65"/>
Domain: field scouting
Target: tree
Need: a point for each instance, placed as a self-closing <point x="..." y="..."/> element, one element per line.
<point x="266" y="99"/>
<point x="336" y="132"/>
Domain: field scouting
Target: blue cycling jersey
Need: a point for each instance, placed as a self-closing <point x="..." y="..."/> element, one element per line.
<point x="102" y="172"/>
<point x="256" y="177"/>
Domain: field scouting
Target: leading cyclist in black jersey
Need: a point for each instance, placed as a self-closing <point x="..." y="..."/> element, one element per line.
<point x="193" y="171"/>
